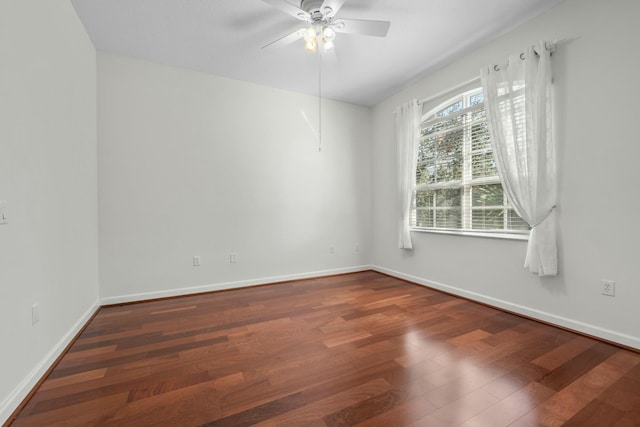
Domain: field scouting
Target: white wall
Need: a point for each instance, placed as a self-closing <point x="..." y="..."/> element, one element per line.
<point x="192" y="164"/>
<point x="48" y="173"/>
<point x="597" y="113"/>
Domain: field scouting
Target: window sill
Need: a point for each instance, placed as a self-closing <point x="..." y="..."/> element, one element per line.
<point x="496" y="235"/>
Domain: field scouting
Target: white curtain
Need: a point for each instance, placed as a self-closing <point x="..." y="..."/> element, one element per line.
<point x="518" y="104"/>
<point x="408" y="118"/>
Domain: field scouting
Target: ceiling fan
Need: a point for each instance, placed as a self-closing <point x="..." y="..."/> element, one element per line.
<point x="322" y="24"/>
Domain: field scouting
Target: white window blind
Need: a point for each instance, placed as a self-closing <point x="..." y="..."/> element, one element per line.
<point x="457" y="183"/>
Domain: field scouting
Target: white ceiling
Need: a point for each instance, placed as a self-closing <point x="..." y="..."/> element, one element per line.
<point x="224" y="38"/>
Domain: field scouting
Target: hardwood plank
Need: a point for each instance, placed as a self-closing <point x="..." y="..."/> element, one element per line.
<point x="173" y="310"/>
<point x="346" y="337"/>
<point x="404" y="413"/>
<point x="571" y="400"/>
<point x="560" y="355"/>
<point x="578" y="366"/>
<point x="512" y="407"/>
<point x="624" y="394"/>
<point x="320" y="408"/>
<point x="364" y="409"/>
<point x="469" y="379"/>
<point x="507" y="385"/>
<point x="596" y="413"/>
<point x="460" y="410"/>
<point x="74" y="414"/>
<point x="354" y="349"/>
<point x="74" y="379"/>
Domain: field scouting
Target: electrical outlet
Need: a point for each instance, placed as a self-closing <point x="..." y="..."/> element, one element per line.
<point x="35" y="313"/>
<point x="196" y="261"/>
<point x="608" y="287"/>
<point x="233" y="258"/>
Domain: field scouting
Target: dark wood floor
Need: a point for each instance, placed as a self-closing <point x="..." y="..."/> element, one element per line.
<point x="358" y="349"/>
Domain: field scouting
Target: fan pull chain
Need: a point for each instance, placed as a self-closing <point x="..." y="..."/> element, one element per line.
<point x="320" y="103"/>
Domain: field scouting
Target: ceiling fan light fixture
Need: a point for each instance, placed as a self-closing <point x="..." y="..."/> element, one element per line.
<point x="322" y="24"/>
<point x="328" y="34"/>
<point x="311" y="45"/>
<point x="310" y="34"/>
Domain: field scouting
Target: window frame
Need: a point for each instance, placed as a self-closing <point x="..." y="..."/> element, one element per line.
<point x="467" y="182"/>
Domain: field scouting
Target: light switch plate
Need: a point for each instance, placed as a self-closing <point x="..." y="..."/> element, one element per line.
<point x="3" y="212"/>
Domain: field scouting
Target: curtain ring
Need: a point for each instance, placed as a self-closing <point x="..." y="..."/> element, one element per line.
<point x="522" y="56"/>
<point x="496" y="68"/>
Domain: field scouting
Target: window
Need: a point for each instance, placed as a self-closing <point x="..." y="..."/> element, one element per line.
<point x="457" y="183"/>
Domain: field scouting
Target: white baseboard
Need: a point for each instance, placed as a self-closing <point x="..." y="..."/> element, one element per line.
<point x="228" y="285"/>
<point x="575" y="325"/>
<point x="29" y="382"/>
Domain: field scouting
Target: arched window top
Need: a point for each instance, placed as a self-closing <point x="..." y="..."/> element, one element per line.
<point x="457" y="182"/>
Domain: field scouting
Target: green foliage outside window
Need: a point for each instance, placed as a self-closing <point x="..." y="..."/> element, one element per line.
<point x="457" y="183"/>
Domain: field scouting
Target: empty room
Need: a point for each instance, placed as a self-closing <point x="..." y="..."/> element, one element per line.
<point x="319" y="213"/>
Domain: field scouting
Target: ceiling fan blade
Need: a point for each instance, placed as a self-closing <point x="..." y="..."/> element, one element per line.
<point x="334" y="5"/>
<point x="288" y="39"/>
<point x="290" y="9"/>
<point x="361" y="26"/>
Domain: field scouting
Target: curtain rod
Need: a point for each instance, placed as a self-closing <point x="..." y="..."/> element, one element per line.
<point x="547" y="45"/>
<point x="451" y="89"/>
